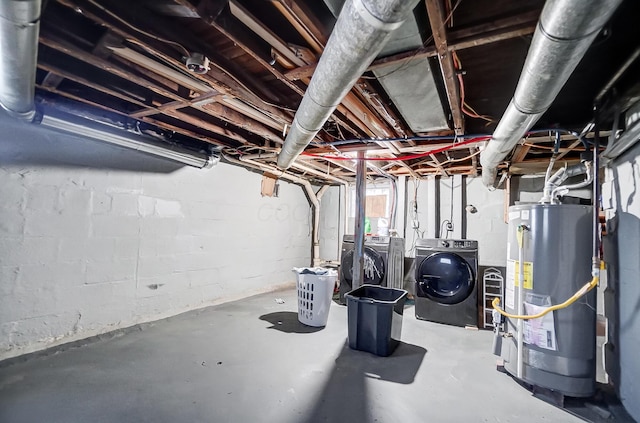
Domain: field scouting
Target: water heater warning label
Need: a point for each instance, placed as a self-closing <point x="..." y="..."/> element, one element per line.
<point x="513" y="271"/>
<point x="528" y="274"/>
<point x="541" y="331"/>
<point x="513" y="280"/>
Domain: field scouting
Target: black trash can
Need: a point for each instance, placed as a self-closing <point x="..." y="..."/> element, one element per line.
<point x="374" y="314"/>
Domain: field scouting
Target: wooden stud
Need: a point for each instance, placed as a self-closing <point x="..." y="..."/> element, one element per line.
<point x="436" y="12"/>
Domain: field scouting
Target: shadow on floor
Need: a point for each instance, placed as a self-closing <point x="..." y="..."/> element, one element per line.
<point x="287" y="321"/>
<point x="345" y="398"/>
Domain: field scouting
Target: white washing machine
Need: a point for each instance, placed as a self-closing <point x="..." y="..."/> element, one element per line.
<point x="446" y="274"/>
<point x="383" y="262"/>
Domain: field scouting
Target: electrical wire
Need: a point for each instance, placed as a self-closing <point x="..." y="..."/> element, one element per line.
<point x="396" y="139"/>
<point x="450" y="226"/>
<point x="186" y="55"/>
<point x="135" y="28"/>
<point x="462" y="159"/>
<point x="414" y="217"/>
<point x="464" y="107"/>
<point x="404" y="158"/>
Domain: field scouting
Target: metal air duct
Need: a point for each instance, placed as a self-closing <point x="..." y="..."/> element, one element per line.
<point x="564" y="33"/>
<point x="362" y="29"/>
<point x="19" y="27"/>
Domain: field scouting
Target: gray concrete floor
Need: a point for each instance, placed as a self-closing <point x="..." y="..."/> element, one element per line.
<point x="251" y="361"/>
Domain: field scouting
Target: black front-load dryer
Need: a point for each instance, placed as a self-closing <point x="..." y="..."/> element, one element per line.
<point x="446" y="288"/>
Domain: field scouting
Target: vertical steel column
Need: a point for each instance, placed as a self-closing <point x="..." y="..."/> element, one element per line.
<point x="361" y="196"/>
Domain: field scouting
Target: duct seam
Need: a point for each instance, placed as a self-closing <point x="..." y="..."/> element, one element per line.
<point x="555" y="39"/>
<point x="22" y="25"/>
<point x="373" y="20"/>
<point x="304" y="130"/>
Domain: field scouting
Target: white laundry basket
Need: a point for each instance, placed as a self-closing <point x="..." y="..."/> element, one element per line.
<point x="314" y="296"/>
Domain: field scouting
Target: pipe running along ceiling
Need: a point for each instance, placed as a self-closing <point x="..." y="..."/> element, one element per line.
<point x="280" y="78"/>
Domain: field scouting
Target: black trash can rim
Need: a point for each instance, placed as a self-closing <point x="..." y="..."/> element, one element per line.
<point x="353" y="295"/>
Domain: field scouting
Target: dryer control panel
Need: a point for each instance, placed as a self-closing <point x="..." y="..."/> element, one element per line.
<point x="463" y="244"/>
<point x="445" y="244"/>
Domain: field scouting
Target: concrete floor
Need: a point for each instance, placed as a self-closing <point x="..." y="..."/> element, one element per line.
<point x="251" y="361"/>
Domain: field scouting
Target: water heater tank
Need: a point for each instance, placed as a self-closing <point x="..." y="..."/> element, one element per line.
<point x="560" y="348"/>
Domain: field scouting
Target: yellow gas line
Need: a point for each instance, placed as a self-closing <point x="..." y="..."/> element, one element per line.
<point x="582" y="291"/>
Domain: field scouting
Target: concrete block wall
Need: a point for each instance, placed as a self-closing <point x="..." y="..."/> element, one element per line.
<point x="433" y="198"/>
<point x="332" y="222"/>
<point x="487" y="224"/>
<point x="84" y="251"/>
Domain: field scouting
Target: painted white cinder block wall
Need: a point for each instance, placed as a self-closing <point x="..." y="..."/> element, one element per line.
<point x="332" y="222"/>
<point x="84" y="251"/>
<point x="486" y="225"/>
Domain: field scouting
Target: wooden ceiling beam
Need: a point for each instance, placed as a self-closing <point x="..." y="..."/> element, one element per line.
<point x="233" y="117"/>
<point x="305" y="22"/>
<point x="535" y="166"/>
<point x="438" y="165"/>
<point x="475" y="36"/>
<point x="437" y="19"/>
<point x="173" y="105"/>
<point x="473" y="151"/>
<point x="211" y="127"/>
<point x="573" y="146"/>
<point x="373" y="99"/>
<point x="87" y="83"/>
<point x="183" y="131"/>
<point x="222" y="83"/>
<point x="160" y="124"/>
<point x="227" y="26"/>
<point x="80" y="99"/>
<point x="493" y="36"/>
<point x="223" y="25"/>
<point x="409" y="169"/>
<point x="520" y="153"/>
<point x="507" y="24"/>
<point x="370" y="114"/>
<point x="217" y="110"/>
<point x="251" y="22"/>
<point x="454" y="170"/>
<point x="52" y="80"/>
<point x="105" y="65"/>
<point x="365" y="117"/>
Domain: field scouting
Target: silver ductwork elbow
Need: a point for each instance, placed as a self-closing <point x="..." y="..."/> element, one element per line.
<point x="362" y="29"/>
<point x="19" y="28"/>
<point x="565" y="31"/>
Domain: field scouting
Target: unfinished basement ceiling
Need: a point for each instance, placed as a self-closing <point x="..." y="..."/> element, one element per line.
<point x="124" y="62"/>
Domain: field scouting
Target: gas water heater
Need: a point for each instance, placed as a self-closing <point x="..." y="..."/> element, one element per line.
<point x="558" y="352"/>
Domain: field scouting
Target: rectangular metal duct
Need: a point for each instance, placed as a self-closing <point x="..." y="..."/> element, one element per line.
<point x="411" y="85"/>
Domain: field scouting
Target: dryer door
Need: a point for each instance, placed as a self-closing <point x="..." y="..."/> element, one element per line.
<point x="373" y="266"/>
<point x="445" y="277"/>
